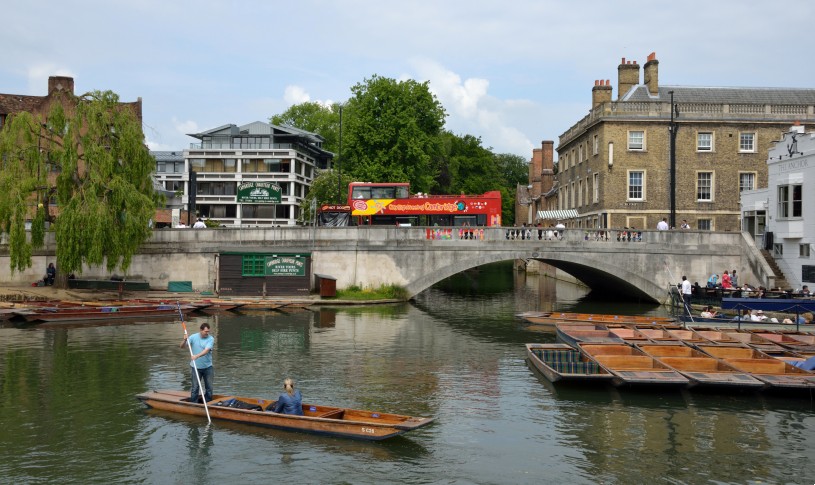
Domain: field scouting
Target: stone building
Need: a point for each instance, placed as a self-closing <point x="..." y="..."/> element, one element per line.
<point x="614" y="165"/>
<point x="529" y="200"/>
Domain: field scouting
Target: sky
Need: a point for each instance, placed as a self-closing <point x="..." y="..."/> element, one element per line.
<point x="513" y="73"/>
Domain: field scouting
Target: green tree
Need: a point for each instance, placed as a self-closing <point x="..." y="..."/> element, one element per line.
<point x="391" y="132"/>
<point x="324" y="191"/>
<point x="465" y="166"/>
<point x="514" y="169"/>
<point x="88" y="155"/>
<point x="316" y="118"/>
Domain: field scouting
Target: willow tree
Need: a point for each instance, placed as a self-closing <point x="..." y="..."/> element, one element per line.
<point x="85" y="155"/>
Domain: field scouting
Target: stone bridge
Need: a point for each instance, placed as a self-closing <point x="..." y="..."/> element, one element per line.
<point x="630" y="265"/>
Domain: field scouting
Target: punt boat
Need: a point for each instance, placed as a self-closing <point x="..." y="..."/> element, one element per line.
<point x="326" y="420"/>
<point x="700" y="368"/>
<point x="775" y="372"/>
<point x="565" y="364"/>
<point x="572" y="334"/>
<point x="101" y="313"/>
<point x="714" y="336"/>
<point x="631" y="366"/>
<point x="547" y="317"/>
<point x="659" y="334"/>
<point x="755" y="340"/>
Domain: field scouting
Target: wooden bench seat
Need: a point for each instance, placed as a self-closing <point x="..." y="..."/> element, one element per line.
<point x="626" y="362"/>
<point x="692" y="364"/>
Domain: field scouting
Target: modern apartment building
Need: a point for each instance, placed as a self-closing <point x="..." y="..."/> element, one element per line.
<point x="614" y="165"/>
<point x="777" y="215"/>
<point x="230" y="157"/>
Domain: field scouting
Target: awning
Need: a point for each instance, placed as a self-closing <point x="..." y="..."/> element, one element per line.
<point x="561" y="214"/>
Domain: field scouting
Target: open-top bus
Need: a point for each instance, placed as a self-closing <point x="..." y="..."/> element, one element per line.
<point x="392" y="204"/>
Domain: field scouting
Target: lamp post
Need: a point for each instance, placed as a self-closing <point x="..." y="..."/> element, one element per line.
<point x="339" y="164"/>
<point x="672" y="127"/>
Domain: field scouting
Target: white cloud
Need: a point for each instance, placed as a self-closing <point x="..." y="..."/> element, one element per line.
<point x="38" y="75"/>
<point x="295" y="95"/>
<point x="185" y="127"/>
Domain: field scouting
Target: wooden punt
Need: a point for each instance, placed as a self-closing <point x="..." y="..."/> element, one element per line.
<point x="714" y="336"/>
<point x="700" y="368"/>
<point x="547" y="317"/>
<point x="326" y="420"/>
<point x="628" y="333"/>
<point x="631" y="366"/>
<point x="754" y="340"/>
<point x="803" y="337"/>
<point x="687" y="336"/>
<point x="659" y="334"/>
<point x="101" y="313"/>
<point x="775" y="372"/>
<point x="572" y="334"/>
<point x="564" y="364"/>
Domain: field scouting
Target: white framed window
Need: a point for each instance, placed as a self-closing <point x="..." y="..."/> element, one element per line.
<point x="704" y="141"/>
<point x="636" y="140"/>
<point x="704" y="186"/>
<point x="704" y="224"/>
<point x="747" y="181"/>
<point x="636" y="185"/>
<point x="596" y="188"/>
<point x="596" y="148"/>
<point x="789" y="201"/>
<point x="747" y="142"/>
<point x="803" y="250"/>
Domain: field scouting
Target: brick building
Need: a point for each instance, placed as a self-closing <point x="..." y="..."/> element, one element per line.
<point x="529" y="200"/>
<point x="614" y="164"/>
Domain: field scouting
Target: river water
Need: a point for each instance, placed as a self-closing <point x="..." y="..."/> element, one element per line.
<point x="68" y="412"/>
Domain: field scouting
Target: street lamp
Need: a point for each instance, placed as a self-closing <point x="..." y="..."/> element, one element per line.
<point x="339" y="164"/>
<point x="672" y="128"/>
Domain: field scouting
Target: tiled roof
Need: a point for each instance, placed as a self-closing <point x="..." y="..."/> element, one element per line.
<point x="725" y="95"/>
<point x="15" y="103"/>
<point x="162" y="156"/>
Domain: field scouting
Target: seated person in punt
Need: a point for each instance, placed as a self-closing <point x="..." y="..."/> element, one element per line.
<point x="290" y="401"/>
<point x="708" y="312"/>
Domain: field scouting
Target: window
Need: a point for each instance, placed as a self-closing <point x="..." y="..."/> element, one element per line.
<point x="704" y="186"/>
<point x="216" y="188"/>
<point x="580" y="153"/>
<point x="703" y="224"/>
<point x="803" y="250"/>
<point x="636" y="185"/>
<point x="174" y="185"/>
<point x="778" y="249"/>
<point x="596" y="188"/>
<point x="789" y="201"/>
<point x="704" y="142"/>
<point x="586" y="194"/>
<point x="579" y="193"/>
<point x="253" y="265"/>
<point x="636" y="140"/>
<point x="596" y="148"/>
<point x="572" y="193"/>
<point x="747" y="142"/>
<point x="747" y="181"/>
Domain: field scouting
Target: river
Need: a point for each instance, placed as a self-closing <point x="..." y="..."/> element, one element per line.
<point x="68" y="412"/>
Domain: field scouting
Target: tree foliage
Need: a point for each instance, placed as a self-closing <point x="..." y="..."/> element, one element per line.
<point x="88" y="156"/>
<point x="316" y="118"/>
<point x="391" y="132"/>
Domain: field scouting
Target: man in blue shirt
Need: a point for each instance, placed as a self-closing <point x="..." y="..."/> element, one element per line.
<point x="201" y="345"/>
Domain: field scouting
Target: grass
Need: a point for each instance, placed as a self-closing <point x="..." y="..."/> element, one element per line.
<point x="384" y="292"/>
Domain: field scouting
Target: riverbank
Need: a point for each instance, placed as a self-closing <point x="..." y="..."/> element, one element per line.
<point x="51" y="293"/>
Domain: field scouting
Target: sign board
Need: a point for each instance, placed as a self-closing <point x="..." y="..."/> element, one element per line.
<point x="285" y="266"/>
<point x="259" y="192"/>
<point x="335" y="208"/>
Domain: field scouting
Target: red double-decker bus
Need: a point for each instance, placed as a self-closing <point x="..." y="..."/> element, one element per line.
<point x="392" y="204"/>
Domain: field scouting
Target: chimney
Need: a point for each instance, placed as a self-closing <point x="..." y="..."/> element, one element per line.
<point x="600" y="93"/>
<point x="650" y="73"/>
<point x="547" y="171"/>
<point x="628" y="76"/>
<point x="60" y="83"/>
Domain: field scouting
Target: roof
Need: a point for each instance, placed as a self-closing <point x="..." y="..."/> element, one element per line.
<point x="724" y="95"/>
<point x="162" y="156"/>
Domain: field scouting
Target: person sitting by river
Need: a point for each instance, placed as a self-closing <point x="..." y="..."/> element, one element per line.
<point x="713" y="281"/>
<point x="758" y="316"/>
<point x="50" y="275"/>
<point x="708" y="312"/>
<point x="289" y="402"/>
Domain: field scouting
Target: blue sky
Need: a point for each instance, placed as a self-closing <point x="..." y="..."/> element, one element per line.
<point x="513" y="73"/>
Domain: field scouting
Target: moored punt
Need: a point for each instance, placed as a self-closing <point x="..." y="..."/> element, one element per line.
<point x="572" y="334"/>
<point x="702" y="369"/>
<point x="778" y="374"/>
<point x="687" y="336"/>
<point x="326" y="420"/>
<point x="101" y="313"/>
<point x="632" y="366"/>
<point x="754" y="340"/>
<point x="565" y="364"/>
<point x="543" y="317"/>
<point x="628" y="333"/>
<point x="659" y="334"/>
<point x="713" y="335"/>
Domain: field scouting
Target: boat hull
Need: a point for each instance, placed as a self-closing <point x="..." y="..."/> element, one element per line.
<point x="563" y="364"/>
<point x="344" y="422"/>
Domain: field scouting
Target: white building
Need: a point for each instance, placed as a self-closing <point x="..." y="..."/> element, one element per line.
<point x="781" y="217"/>
<point x="231" y="155"/>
